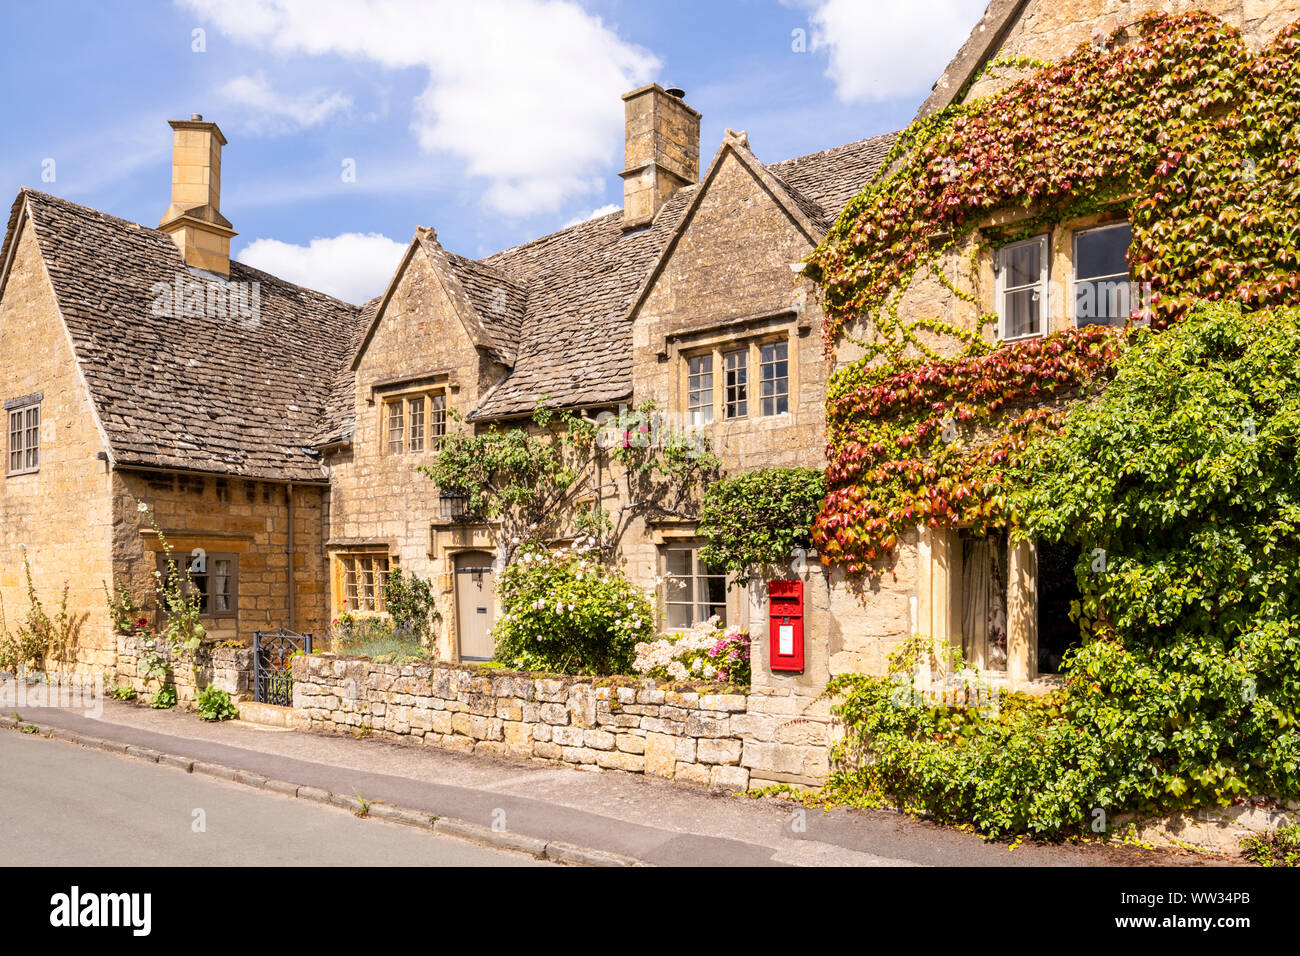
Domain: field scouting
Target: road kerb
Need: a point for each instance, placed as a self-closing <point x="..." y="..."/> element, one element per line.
<point x="552" y="850"/>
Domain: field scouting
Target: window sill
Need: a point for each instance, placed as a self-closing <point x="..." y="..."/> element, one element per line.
<point x="25" y="471"/>
<point x="1023" y="338"/>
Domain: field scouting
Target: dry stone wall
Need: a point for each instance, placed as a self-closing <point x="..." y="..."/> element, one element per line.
<point x="694" y="733"/>
<point x="228" y="668"/>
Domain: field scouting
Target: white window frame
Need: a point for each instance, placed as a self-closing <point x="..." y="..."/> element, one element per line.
<point x="1074" y="278"/>
<point x="703" y="413"/>
<point x="735" y="369"/>
<point x="698" y="576"/>
<point x="1001" y="289"/>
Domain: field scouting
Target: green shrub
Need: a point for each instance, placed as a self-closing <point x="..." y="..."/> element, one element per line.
<point x="565" y="612"/>
<point x="1279" y="848"/>
<point x="756" y="520"/>
<point x="410" y="601"/>
<point x="1002" y="761"/>
<point x="215" y="704"/>
<point x="1181" y="479"/>
<point x="164" y="698"/>
<point x="122" y="692"/>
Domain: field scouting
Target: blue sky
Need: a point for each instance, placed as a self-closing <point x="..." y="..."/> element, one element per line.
<point x="494" y="121"/>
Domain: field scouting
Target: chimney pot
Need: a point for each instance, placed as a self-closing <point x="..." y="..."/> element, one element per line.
<point x="196" y="117"/>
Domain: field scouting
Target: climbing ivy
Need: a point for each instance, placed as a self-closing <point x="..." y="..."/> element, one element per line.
<point x="1172" y="119"/>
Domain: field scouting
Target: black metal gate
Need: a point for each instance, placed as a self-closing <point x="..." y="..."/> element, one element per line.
<point x="272" y="655"/>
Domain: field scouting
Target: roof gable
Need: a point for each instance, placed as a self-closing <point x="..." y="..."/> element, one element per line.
<point x="985" y="39"/>
<point x="805" y="215"/>
<point x="489" y="304"/>
<point x="238" y="394"/>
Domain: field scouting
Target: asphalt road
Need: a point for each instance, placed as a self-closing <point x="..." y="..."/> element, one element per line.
<point x="65" y="805"/>
<point x="657" y="821"/>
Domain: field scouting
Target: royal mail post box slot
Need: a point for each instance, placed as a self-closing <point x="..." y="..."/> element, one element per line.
<point x="785" y="625"/>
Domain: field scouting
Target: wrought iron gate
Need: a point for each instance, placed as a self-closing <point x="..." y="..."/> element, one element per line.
<point x="272" y="654"/>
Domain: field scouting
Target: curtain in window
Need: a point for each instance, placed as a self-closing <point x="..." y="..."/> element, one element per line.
<point x="984" y="602"/>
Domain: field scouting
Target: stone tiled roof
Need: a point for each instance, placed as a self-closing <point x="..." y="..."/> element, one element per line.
<point x="238" y="395"/>
<point x="230" y="396"/>
<point x="575" y="343"/>
<point x="338" y="423"/>
<point x="497" y="299"/>
<point x="834" y="176"/>
<point x="575" y="340"/>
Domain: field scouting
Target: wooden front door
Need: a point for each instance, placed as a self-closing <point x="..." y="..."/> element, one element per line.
<point x="475" y="605"/>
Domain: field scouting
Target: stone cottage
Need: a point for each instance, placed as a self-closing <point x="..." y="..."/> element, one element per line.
<point x="274" y="433"/>
<point x="1006" y="605"/>
<point x="149" y="371"/>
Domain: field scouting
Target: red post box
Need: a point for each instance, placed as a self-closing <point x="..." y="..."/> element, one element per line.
<point x="785" y="625"/>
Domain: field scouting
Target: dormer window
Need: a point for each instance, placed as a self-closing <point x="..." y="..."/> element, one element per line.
<point x="1022" y="288"/>
<point x="699" y="387"/>
<point x="774" y="377"/>
<point x="730" y="396"/>
<point x="736" y="398"/>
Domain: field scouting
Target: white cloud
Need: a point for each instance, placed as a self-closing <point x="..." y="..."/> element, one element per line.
<point x="882" y="49"/>
<point x="524" y="92"/>
<point x="353" y="266"/>
<point x="594" y="214"/>
<point x="275" y="112"/>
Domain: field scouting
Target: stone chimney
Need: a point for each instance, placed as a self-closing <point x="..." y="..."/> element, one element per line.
<point x="194" y="219"/>
<point x="662" y="151"/>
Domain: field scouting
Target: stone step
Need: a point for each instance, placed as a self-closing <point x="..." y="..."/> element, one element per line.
<point x="266" y="715"/>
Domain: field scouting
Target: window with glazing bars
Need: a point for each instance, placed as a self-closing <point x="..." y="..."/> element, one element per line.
<point x="699" y="401"/>
<point x="415" y="422"/>
<point x="363" y="581"/>
<point x="774" y="377"/>
<point x="693" y="591"/>
<point x="24" y="439"/>
<point x="736" y="384"/>
<point x="396" y="431"/>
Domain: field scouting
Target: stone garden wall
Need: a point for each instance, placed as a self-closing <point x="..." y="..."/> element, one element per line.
<point x="688" y="732"/>
<point x="229" y="668"/>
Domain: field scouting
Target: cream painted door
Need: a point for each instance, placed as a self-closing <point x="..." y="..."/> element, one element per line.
<point x="475" y="604"/>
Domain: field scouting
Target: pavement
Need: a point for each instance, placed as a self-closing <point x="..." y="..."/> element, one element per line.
<point x="555" y="813"/>
<point x="70" y="806"/>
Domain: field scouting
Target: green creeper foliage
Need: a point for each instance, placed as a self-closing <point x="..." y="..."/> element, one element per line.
<point x="1178" y="485"/>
